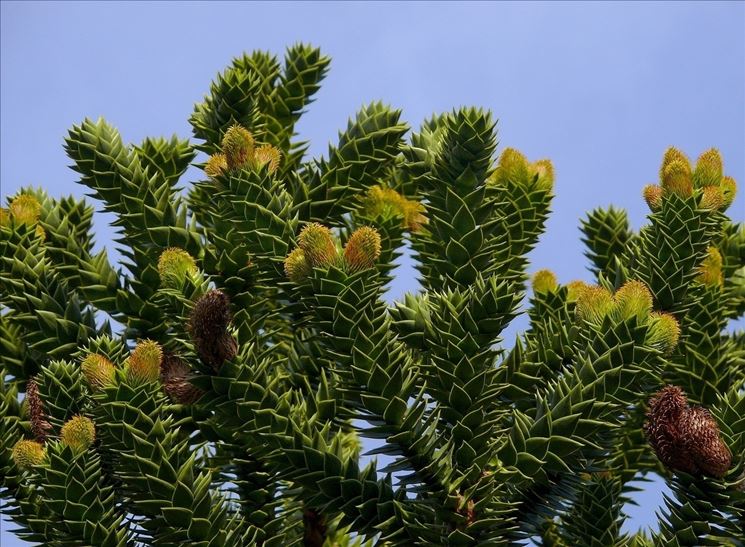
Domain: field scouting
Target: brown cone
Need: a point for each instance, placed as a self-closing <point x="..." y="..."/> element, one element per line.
<point x="685" y="438"/>
<point x="174" y="375"/>
<point x="40" y="427"/>
<point x="209" y="329"/>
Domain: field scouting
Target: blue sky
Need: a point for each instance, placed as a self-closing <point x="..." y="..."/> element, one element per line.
<point x="600" y="88"/>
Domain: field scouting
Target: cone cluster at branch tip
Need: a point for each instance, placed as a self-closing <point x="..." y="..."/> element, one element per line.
<point x="78" y="433"/>
<point x="710" y="270"/>
<point x="544" y="281"/>
<point x="174" y="265"/>
<point x="677" y="177"/>
<point x="685" y="438"/>
<point x="208" y="325"/>
<point x="362" y="249"/>
<point x="318" y="245"/>
<point x="239" y="150"/>
<point x="383" y="201"/>
<point x="98" y="371"/>
<point x="513" y="168"/>
<point x="144" y="363"/>
<point x="28" y="453"/>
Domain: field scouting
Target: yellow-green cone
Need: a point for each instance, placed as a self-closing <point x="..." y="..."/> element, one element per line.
<point x="677" y="178"/>
<point x="383" y="201"/>
<point x="4" y="217"/>
<point x="710" y="270"/>
<point x="574" y="289"/>
<point x="362" y="249"/>
<point x="512" y="166"/>
<point x="216" y="165"/>
<point x="712" y="198"/>
<point x="544" y="171"/>
<point x="594" y="303"/>
<point x="174" y="265"/>
<point x="267" y="154"/>
<point x="238" y="146"/>
<point x="27" y="453"/>
<point x="98" y="371"/>
<point x="297" y="267"/>
<point x="78" y="433"/>
<point x="633" y="299"/>
<point x="653" y="196"/>
<point x="709" y="169"/>
<point x="318" y="245"/>
<point x="673" y="154"/>
<point x="25" y="209"/>
<point x="144" y="363"/>
<point x="664" y="331"/>
<point x="544" y="281"/>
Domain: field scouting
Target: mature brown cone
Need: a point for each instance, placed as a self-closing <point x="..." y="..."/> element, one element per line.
<point x="700" y="433"/>
<point x="40" y="426"/>
<point x="685" y="438"/>
<point x="174" y="375"/>
<point x="208" y="325"/>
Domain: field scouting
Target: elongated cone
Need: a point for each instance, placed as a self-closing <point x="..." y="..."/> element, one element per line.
<point x="709" y="169"/>
<point x="673" y="154"/>
<point x="40" y="426"/>
<point x="318" y="245"/>
<point x="174" y="265"/>
<point x="238" y="146"/>
<point x="543" y="170"/>
<point x="653" y="196"/>
<point x="712" y="198"/>
<point x="729" y="190"/>
<point x="25" y="209"/>
<point x="633" y="299"/>
<point x="544" y="281"/>
<point x="98" y="371"/>
<point x="512" y="168"/>
<point x="362" y="249"/>
<point x="297" y="267"/>
<point x="594" y="303"/>
<point x="216" y="165"/>
<point x="27" y="453"/>
<point x="174" y="375"/>
<point x="685" y="438"/>
<point x="677" y="178"/>
<point x="663" y="332"/>
<point x="144" y="363"/>
<point x="575" y="288"/>
<point x="78" y="433"/>
<point x="208" y="326"/>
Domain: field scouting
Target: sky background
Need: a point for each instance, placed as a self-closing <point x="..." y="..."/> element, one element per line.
<point x="599" y="88"/>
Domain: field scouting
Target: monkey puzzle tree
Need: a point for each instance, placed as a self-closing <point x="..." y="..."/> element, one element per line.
<point x="251" y="352"/>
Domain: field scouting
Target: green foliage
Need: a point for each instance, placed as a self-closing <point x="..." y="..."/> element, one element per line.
<point x="252" y="347"/>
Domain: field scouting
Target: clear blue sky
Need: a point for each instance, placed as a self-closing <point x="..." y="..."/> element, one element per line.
<point x="600" y="88"/>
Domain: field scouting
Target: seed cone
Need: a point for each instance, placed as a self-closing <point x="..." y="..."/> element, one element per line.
<point x="175" y="374"/>
<point x="685" y="438"/>
<point x="27" y="453"/>
<point x="362" y="249"/>
<point x="144" y="363"/>
<point x="78" y="433"/>
<point x="208" y="325"/>
<point x="98" y="371"/>
<point x="40" y="426"/>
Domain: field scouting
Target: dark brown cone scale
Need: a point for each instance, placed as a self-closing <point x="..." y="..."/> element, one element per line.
<point x="40" y="427"/>
<point x="685" y="438"/>
<point x="209" y="329"/>
<point x="174" y="375"/>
